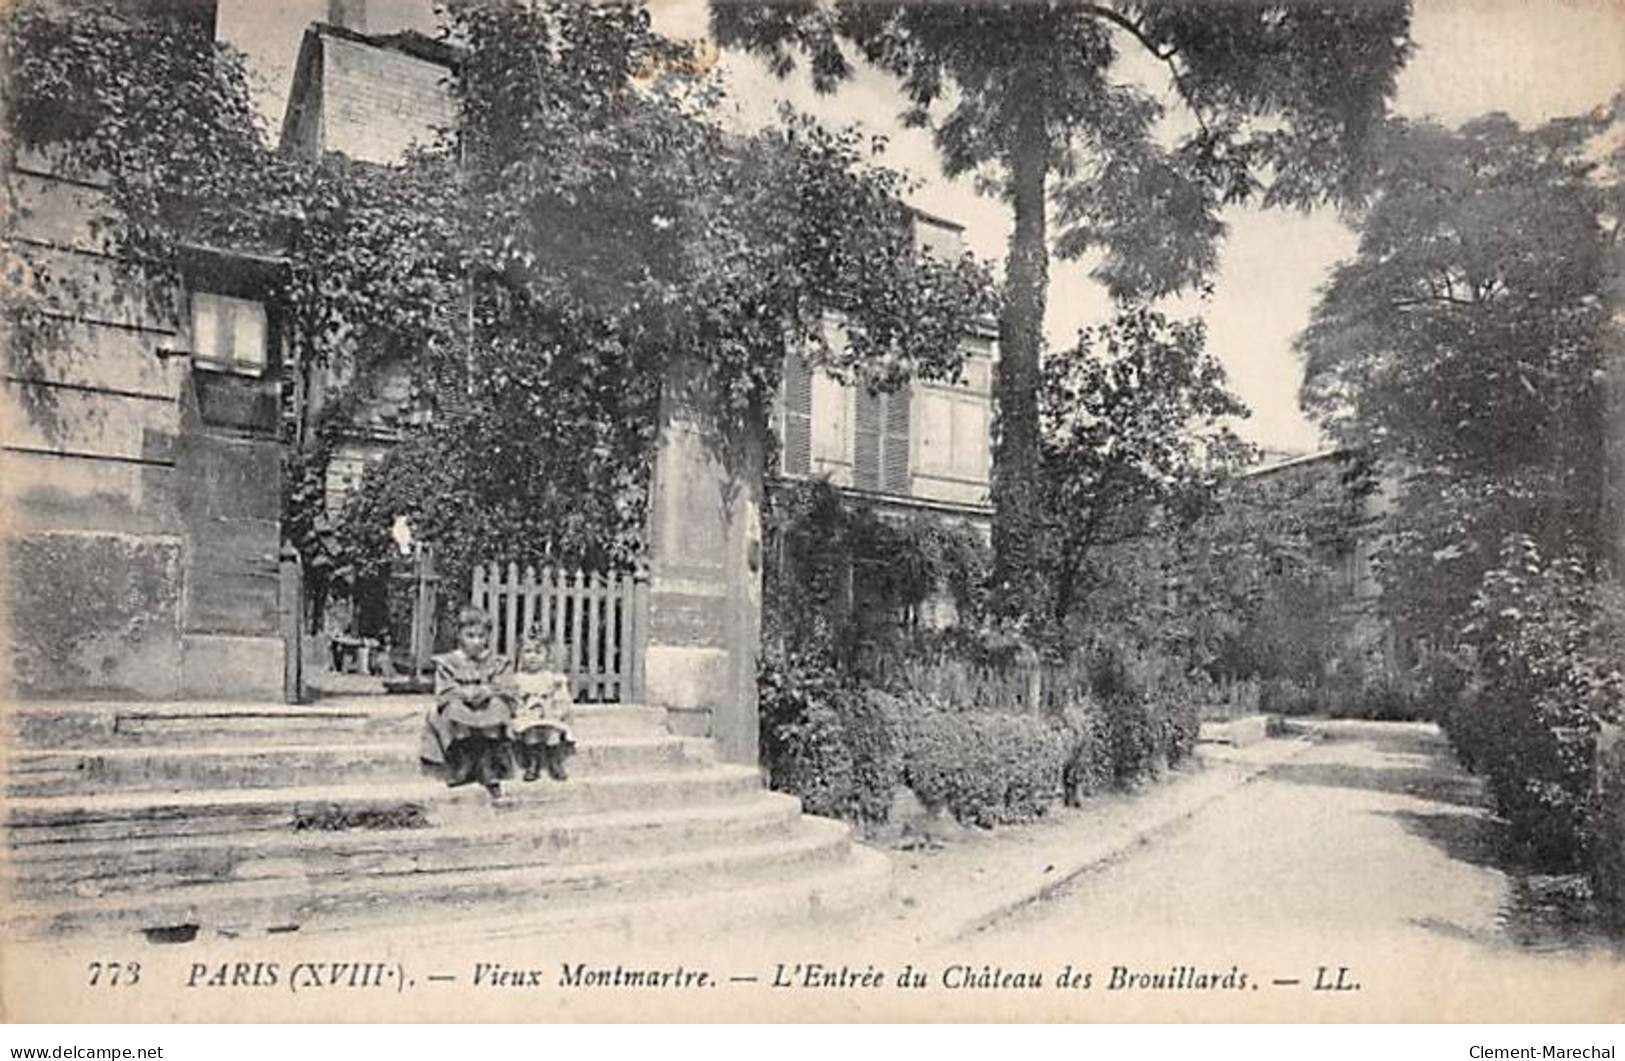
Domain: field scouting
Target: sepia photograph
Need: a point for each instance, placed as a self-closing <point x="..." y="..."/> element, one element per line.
<point x="814" y="511"/>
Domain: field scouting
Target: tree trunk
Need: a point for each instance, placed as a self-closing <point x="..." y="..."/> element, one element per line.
<point x="1018" y="515"/>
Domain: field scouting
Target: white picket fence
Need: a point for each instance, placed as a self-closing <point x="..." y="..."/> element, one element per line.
<point x="595" y="623"/>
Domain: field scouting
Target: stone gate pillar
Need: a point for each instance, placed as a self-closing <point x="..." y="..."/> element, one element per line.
<point x="705" y="580"/>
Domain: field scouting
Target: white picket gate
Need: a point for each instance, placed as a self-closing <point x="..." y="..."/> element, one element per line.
<point x="594" y="621"/>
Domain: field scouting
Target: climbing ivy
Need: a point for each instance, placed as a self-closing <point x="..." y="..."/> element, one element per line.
<point x="535" y="277"/>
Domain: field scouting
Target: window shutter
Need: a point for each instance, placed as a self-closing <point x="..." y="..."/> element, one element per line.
<point x="866" y="439"/>
<point x="894" y="469"/>
<point x="797" y="456"/>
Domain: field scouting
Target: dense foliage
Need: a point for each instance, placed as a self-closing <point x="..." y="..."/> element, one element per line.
<point x="1466" y="344"/>
<point x="617" y="240"/>
<point x="869" y="682"/>
<point x="586" y="236"/>
<point x="1285" y="96"/>
<point x="1134" y="434"/>
<point x="847" y="585"/>
<point x="95" y="91"/>
<point x="1546" y="671"/>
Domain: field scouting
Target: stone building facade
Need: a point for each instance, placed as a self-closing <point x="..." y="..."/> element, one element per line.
<point x="924" y="448"/>
<point x="1347" y="553"/>
<point x="140" y="460"/>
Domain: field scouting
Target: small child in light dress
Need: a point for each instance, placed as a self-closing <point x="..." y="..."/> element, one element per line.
<point x="541" y="721"/>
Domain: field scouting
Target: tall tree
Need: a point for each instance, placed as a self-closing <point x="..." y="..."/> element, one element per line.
<point x="1133" y="435"/>
<point x="1467" y="342"/>
<point x="1282" y="97"/>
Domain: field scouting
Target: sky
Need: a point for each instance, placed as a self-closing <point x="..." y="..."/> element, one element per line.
<point x="1533" y="59"/>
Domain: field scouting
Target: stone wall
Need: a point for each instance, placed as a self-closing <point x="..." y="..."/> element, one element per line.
<point x="113" y="544"/>
<point x="94" y="611"/>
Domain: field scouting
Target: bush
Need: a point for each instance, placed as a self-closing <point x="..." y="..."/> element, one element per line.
<point x="1607" y="855"/>
<point x="831" y="743"/>
<point x="1287" y="696"/>
<point x="1358" y="686"/>
<point x="990" y="743"/>
<point x="1547" y="652"/>
<point x="1180" y="708"/>
<point x="1388" y="700"/>
<point x="858" y="694"/>
<point x="1608" y="829"/>
<point x="844" y="748"/>
<point x="984" y="768"/>
<point x="1134" y="739"/>
<point x="1088" y="766"/>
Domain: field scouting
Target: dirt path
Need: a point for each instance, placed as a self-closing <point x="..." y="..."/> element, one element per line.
<point x="1369" y="859"/>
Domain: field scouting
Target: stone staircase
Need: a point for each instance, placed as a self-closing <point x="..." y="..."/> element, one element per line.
<point x="198" y="820"/>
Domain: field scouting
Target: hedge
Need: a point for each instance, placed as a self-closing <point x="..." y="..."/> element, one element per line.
<point x="845" y="747"/>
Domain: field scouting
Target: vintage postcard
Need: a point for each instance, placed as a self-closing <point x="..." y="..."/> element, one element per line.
<point x="724" y="510"/>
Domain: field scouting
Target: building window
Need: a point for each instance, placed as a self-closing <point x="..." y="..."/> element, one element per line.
<point x="831" y="424"/>
<point x="953" y="436"/>
<point x="229" y="332"/>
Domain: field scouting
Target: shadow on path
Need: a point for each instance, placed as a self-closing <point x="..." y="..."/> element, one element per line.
<point x="1543" y="912"/>
<point x="1406" y="759"/>
<point x="1476" y="839"/>
<point x="1546" y="912"/>
<point x="1422" y="782"/>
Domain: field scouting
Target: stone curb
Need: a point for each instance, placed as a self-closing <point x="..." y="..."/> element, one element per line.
<point x="1104" y="853"/>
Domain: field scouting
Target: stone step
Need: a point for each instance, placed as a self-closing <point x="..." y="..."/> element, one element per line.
<point x="860" y="882"/>
<point x="66" y="771"/>
<point x="131" y="816"/>
<point x="94" y="868"/>
<point x="45" y="725"/>
<point x="815" y="845"/>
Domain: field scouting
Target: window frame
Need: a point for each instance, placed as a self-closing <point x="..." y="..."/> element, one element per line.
<point x="241" y="276"/>
<point x="957" y="452"/>
<point x="258" y="369"/>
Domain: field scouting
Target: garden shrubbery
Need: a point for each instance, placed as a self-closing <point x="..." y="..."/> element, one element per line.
<point x="1540" y="674"/>
<point x="860" y="698"/>
<point x="986" y="768"/>
<point x="845" y="746"/>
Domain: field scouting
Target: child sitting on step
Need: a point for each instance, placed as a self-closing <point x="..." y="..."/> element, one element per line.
<point x="541" y="723"/>
<point x="466" y="734"/>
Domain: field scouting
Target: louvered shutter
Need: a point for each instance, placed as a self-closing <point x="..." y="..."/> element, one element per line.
<point x="866" y="439"/>
<point x="894" y="470"/>
<point x="797" y="457"/>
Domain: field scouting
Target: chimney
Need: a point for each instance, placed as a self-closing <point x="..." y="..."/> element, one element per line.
<point x="348" y="14"/>
<point x="943" y="238"/>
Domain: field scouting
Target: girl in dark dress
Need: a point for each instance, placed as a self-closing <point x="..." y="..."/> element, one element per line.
<point x="466" y="735"/>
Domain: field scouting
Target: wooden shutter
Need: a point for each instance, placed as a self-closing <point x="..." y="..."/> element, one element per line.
<point x="797" y="457"/>
<point x="869" y="416"/>
<point x="894" y="469"/>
